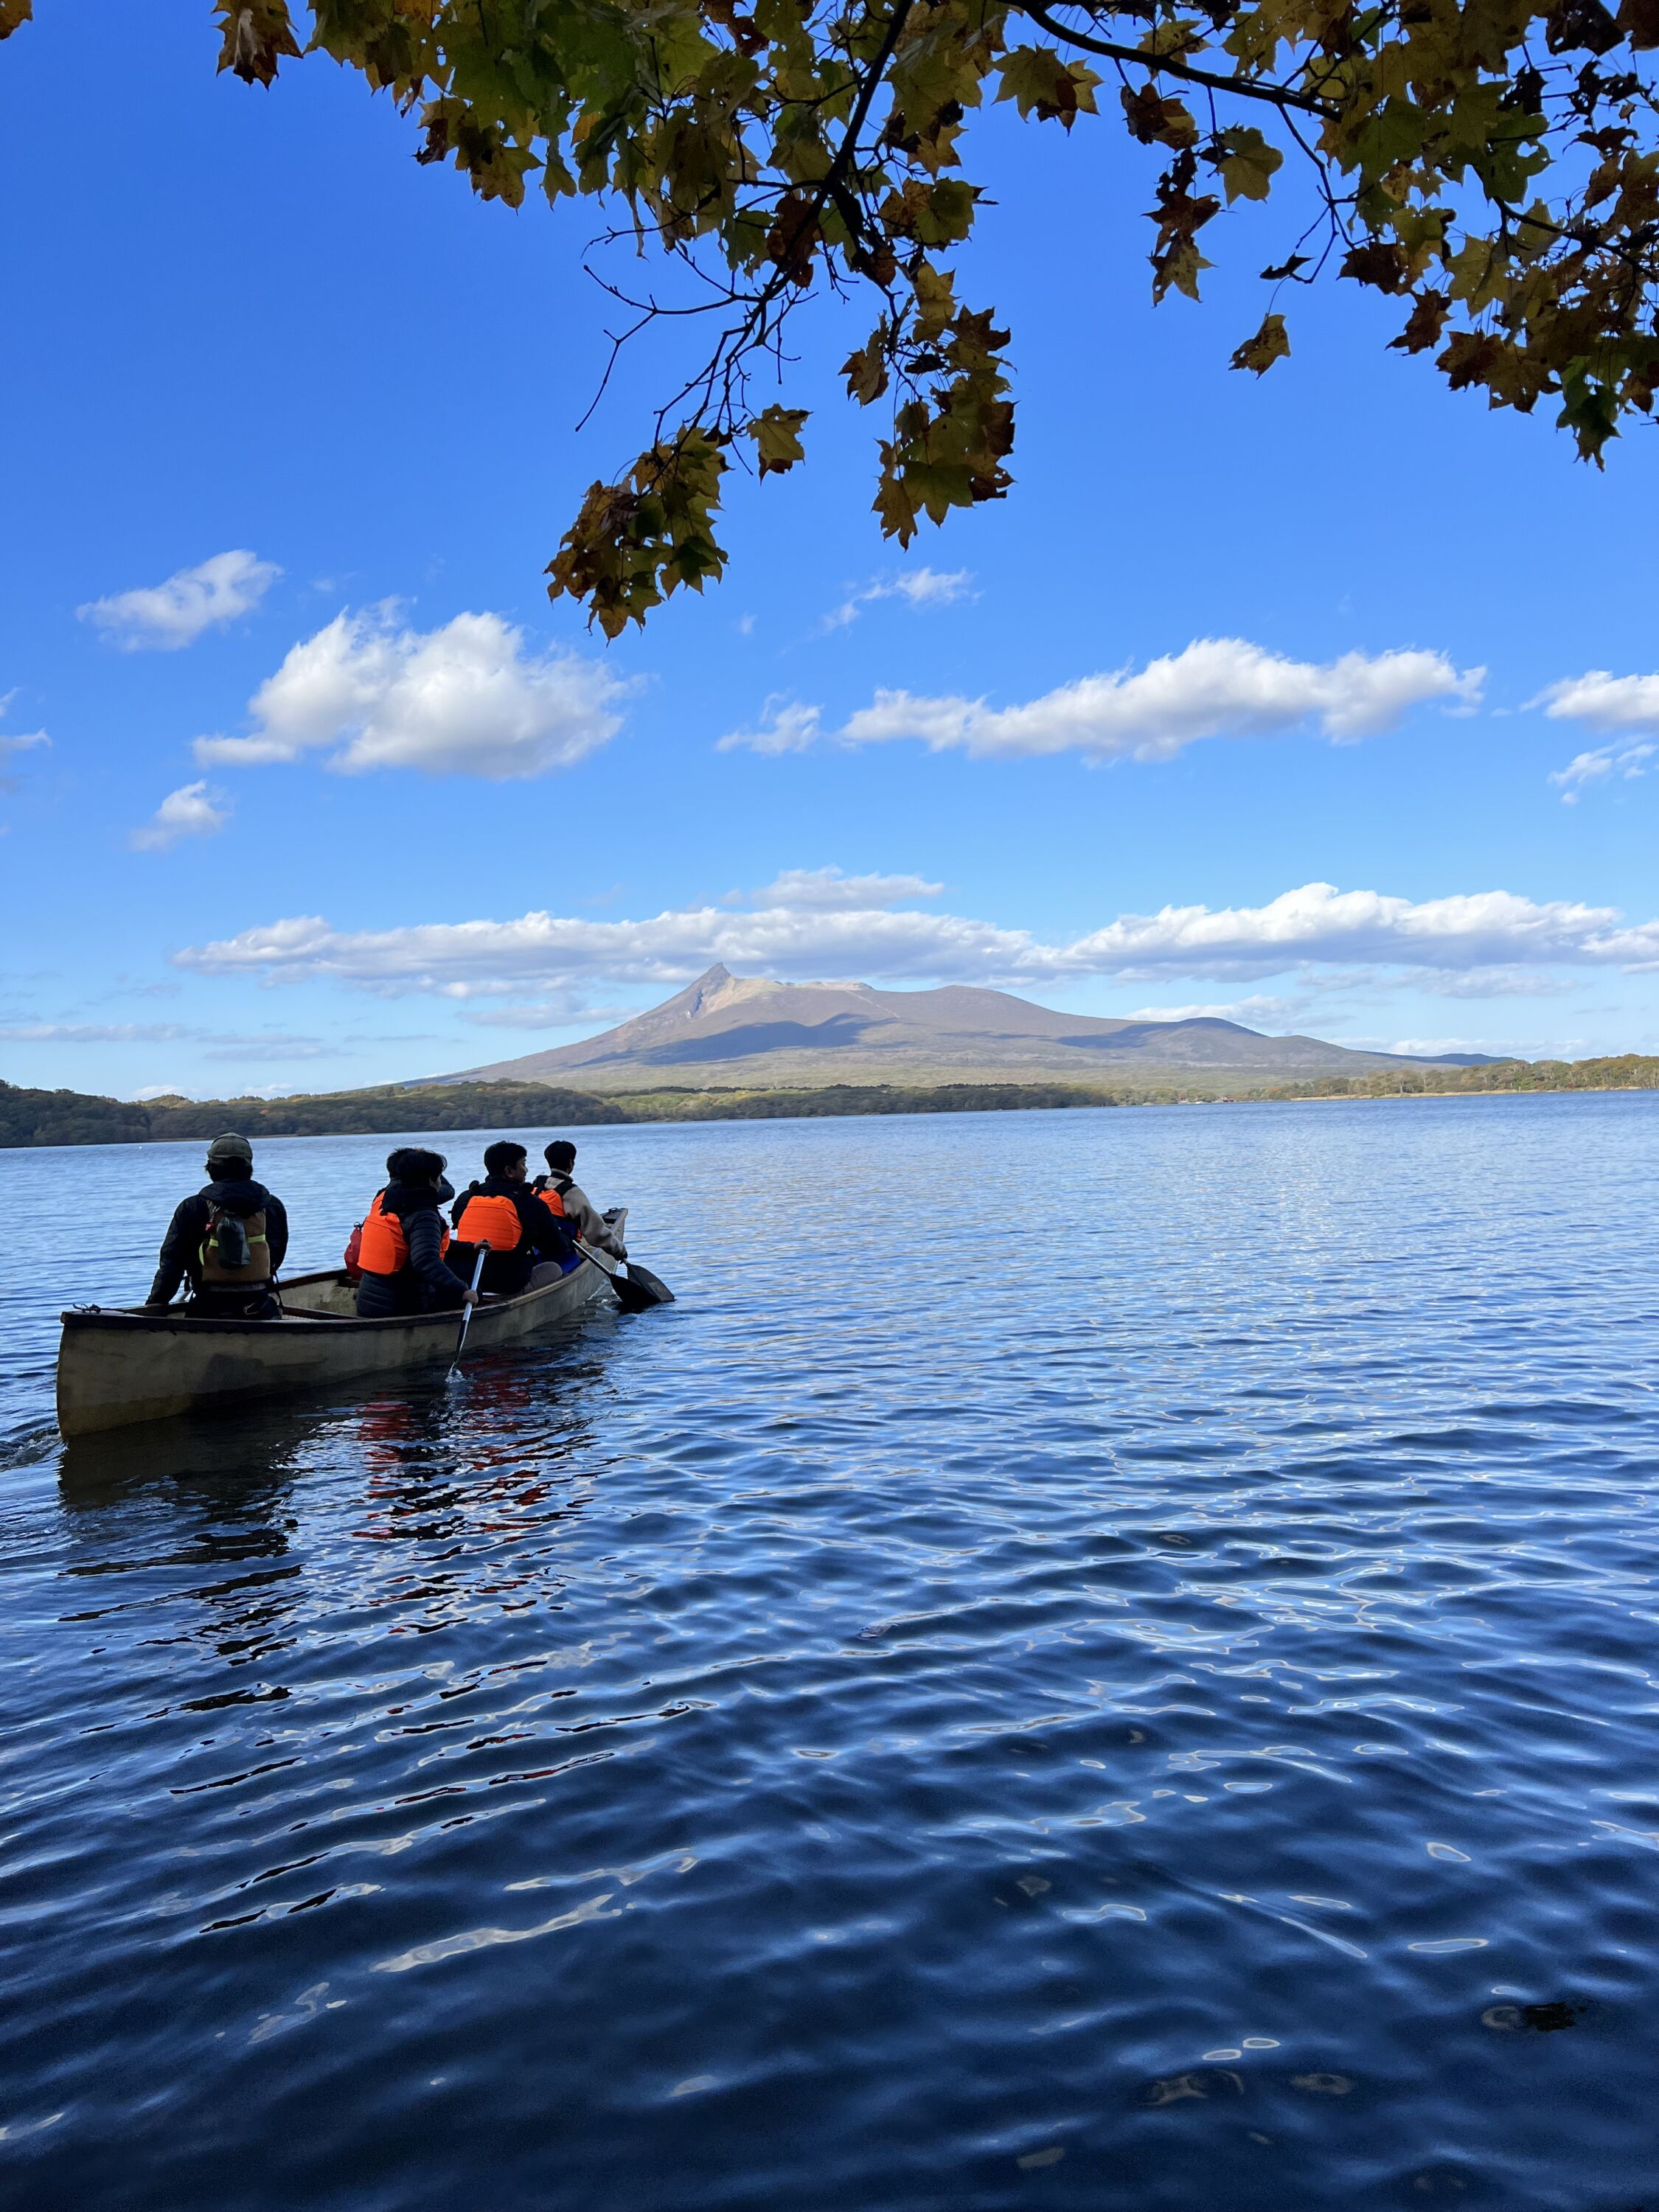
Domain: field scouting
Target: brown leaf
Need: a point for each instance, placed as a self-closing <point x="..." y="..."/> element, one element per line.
<point x="436" y="145"/>
<point x="1425" y="323"/>
<point x="793" y="235"/>
<point x="1572" y="24"/>
<point x="1180" y="217"/>
<point x="878" y="263"/>
<point x="1381" y="261"/>
<point x="1640" y="22"/>
<point x="1268" y="345"/>
<point x="13" y="14"/>
<point x="1471" y="358"/>
<point x="1156" y="121"/>
<point x="866" y="370"/>
<point x="776" y="433"/>
<point x="256" y="37"/>
<point x="745" y="36"/>
<point x="634" y="542"/>
<point x="896" y="508"/>
<point x="1178" y="268"/>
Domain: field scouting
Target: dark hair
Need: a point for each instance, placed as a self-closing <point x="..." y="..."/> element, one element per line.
<point x="412" y="1163"/>
<point x="499" y="1157"/>
<point x="561" y="1156"/>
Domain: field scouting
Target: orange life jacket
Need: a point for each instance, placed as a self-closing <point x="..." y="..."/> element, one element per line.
<point x="210" y="1265"/>
<point x="488" y="1218"/>
<point x="382" y="1247"/>
<point x="551" y="1199"/>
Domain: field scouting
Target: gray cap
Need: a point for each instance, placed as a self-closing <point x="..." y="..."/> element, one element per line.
<point x="230" y="1146"/>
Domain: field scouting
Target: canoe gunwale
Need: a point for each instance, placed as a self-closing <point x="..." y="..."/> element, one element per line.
<point x="306" y="1320"/>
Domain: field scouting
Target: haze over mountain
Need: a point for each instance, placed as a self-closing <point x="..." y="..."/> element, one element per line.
<point x="749" y="1032"/>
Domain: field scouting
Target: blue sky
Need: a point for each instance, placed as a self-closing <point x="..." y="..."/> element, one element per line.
<point x="246" y="324"/>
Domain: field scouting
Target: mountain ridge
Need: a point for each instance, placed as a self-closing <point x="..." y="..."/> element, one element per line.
<point x="720" y="1025"/>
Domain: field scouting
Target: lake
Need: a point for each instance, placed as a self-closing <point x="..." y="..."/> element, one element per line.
<point x="1093" y="1660"/>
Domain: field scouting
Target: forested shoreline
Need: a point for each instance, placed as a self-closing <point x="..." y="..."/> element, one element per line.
<point x="36" y="1118"/>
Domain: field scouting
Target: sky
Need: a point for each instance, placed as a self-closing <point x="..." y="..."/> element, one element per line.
<point x="1325" y="701"/>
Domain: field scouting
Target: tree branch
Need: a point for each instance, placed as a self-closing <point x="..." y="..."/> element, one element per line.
<point x="833" y="182"/>
<point x="1276" y="95"/>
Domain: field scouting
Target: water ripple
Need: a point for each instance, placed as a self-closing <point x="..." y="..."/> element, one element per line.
<point x="1154" y="1712"/>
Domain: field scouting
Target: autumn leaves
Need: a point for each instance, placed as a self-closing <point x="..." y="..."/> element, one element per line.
<point x="1493" y="164"/>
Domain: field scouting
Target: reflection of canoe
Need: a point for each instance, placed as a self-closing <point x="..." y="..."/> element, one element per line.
<point x="124" y="1364"/>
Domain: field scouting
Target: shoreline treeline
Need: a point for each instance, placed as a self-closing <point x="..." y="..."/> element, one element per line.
<point x="34" y="1118"/>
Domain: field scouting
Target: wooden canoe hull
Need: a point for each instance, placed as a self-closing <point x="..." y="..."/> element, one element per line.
<point x="121" y="1366"/>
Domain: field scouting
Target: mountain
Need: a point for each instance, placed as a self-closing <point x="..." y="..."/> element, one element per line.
<point x="735" y="1032"/>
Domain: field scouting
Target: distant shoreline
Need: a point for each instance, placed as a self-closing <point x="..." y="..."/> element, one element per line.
<point x="38" y="1120"/>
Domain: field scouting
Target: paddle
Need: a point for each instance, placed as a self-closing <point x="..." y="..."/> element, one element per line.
<point x="642" y="1276"/>
<point x="466" y="1311"/>
<point x="647" y="1281"/>
<point x="636" y="1291"/>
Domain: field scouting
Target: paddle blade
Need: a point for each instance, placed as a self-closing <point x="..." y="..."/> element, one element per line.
<point x="659" y="1292"/>
<point x="632" y="1297"/>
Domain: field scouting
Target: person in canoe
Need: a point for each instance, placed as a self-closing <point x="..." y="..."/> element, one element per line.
<point x="227" y="1242"/>
<point x="402" y="1240"/>
<point x="504" y="1213"/>
<point x="558" y="1192"/>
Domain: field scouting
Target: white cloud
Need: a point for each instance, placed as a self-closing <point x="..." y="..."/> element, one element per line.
<point x="1625" y="706"/>
<point x="93" y="1033"/>
<point x="1425" y="1047"/>
<point x="1495" y="983"/>
<point x="272" y="1046"/>
<point x="1318" y="923"/>
<point x="927" y="588"/>
<point x="464" y="700"/>
<point x="1623" y="760"/>
<point x="1315" y="927"/>
<point x="562" y="1012"/>
<point x="167" y="616"/>
<point x="474" y="958"/>
<point x="785" y="727"/>
<point x="1251" y="1013"/>
<point x="821" y="890"/>
<point x="1494" y="1048"/>
<point x="1603" y="702"/>
<point x="920" y="587"/>
<point x="192" y="811"/>
<point x="1217" y="687"/>
<point x="26" y="741"/>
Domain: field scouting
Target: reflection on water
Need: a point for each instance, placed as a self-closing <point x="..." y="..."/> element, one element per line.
<point x="1152" y="1710"/>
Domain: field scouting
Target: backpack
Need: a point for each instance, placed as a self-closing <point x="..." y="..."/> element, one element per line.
<point x="227" y="1234"/>
<point x="228" y="1254"/>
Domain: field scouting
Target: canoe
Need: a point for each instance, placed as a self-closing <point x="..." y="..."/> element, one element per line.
<point x="122" y="1365"/>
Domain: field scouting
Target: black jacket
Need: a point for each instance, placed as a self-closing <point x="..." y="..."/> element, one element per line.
<point x="424" y="1284"/>
<point x="181" y="1248"/>
<point x="505" y="1274"/>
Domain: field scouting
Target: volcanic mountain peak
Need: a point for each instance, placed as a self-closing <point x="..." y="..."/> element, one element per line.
<point x="752" y="1030"/>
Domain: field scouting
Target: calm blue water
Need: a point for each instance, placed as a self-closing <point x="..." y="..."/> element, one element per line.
<point x="1094" y="1660"/>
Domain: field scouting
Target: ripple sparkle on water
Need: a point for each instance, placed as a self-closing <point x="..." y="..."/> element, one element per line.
<point x="1093" y="1660"/>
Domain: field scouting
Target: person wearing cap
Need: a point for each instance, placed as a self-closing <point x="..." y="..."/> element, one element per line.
<point x="401" y="1241"/>
<point x="558" y="1192"/>
<point x="226" y="1242"/>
